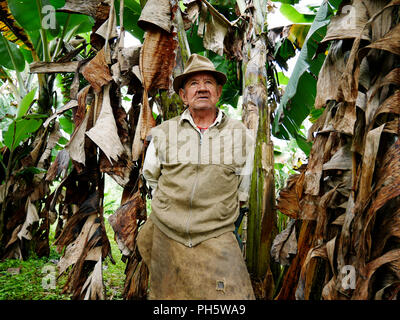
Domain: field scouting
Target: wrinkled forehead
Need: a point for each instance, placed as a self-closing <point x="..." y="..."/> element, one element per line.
<point x="201" y="75"/>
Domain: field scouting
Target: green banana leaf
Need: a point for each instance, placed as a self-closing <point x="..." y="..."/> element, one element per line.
<point x="25" y="103"/>
<point x="6" y="60"/>
<point x="287" y="1"/>
<point x="26" y="13"/>
<point x="295" y="16"/>
<point x="20" y="130"/>
<point x="298" y="100"/>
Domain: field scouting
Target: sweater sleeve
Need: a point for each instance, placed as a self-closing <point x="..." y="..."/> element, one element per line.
<point x="151" y="167"/>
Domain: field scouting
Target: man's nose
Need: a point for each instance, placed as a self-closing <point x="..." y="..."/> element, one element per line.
<point x="202" y="87"/>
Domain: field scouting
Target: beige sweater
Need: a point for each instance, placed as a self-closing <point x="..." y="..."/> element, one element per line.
<point x="198" y="178"/>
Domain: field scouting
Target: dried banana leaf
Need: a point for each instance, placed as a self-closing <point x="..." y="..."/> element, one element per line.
<point x="124" y="221"/>
<point x="97" y="72"/>
<point x="331" y="70"/>
<point x="74" y="250"/>
<point x="214" y="35"/>
<point x="31" y="217"/>
<point x="349" y="23"/>
<point x="285" y="244"/>
<point x="53" y="67"/>
<point x="367" y="170"/>
<point x="289" y="197"/>
<point x="156" y="66"/>
<point x="362" y="285"/>
<point x="87" y="7"/>
<point x="314" y="168"/>
<point x="94" y="285"/>
<point x="104" y="133"/>
<point x="76" y="146"/>
<point x="156" y="13"/>
<point x="341" y="160"/>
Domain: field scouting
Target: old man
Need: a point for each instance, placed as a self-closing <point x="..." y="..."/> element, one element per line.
<point x="198" y="166"/>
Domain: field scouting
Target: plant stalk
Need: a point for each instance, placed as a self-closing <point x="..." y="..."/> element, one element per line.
<point x="43" y="34"/>
<point x="61" y="39"/>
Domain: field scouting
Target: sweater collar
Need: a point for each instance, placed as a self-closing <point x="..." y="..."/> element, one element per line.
<point x="188" y="117"/>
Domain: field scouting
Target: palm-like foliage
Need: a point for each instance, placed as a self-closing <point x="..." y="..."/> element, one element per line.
<point x="345" y="201"/>
<point x="338" y="203"/>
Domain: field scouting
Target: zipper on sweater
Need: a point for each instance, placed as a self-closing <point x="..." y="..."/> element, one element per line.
<point x="193" y="190"/>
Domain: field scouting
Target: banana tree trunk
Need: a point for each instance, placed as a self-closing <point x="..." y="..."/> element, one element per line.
<point x="261" y="227"/>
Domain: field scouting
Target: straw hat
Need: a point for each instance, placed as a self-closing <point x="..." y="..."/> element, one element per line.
<point x="195" y="64"/>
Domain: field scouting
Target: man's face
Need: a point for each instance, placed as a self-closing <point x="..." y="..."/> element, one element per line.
<point x="201" y="91"/>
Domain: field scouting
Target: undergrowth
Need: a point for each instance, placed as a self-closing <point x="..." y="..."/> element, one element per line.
<point x="31" y="280"/>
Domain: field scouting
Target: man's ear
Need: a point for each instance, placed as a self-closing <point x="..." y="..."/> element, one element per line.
<point x="219" y="91"/>
<point x="182" y="94"/>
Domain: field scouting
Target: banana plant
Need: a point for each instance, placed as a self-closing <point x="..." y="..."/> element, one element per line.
<point x="30" y="31"/>
<point x="298" y="99"/>
<point x="21" y="126"/>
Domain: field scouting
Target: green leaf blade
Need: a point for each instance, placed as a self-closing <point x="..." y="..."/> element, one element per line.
<point x="293" y="15"/>
<point x="298" y="99"/>
<point x="19" y="131"/>
<point x="25" y="103"/>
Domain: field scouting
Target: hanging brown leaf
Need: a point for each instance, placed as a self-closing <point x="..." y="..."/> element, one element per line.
<point x="304" y="244"/>
<point x="76" y="145"/>
<point x="103" y="30"/>
<point x="349" y="23"/>
<point x="331" y="70"/>
<point x="362" y="285"/>
<point x="124" y="223"/>
<point x="69" y="233"/>
<point x="390" y="42"/>
<point x="214" y="34"/>
<point x="74" y="250"/>
<point x="94" y="286"/>
<point x="314" y="168"/>
<point x="341" y="160"/>
<point x="97" y="72"/>
<point x="31" y="217"/>
<point x="137" y="145"/>
<point x="156" y="70"/>
<point x="87" y="7"/>
<point x="289" y="197"/>
<point x="285" y="244"/>
<point x="367" y="170"/>
<point x="156" y="13"/>
<point x="104" y="133"/>
<point x="303" y="286"/>
<point x="120" y="171"/>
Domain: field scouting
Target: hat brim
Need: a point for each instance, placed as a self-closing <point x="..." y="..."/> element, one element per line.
<point x="179" y="80"/>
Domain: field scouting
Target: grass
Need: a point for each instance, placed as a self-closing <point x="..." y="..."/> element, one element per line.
<point x="27" y="284"/>
<point x="30" y="283"/>
<point x="113" y="274"/>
